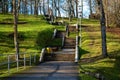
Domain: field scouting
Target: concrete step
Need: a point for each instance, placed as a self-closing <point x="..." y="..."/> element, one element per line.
<point x="69" y="47"/>
<point x="63" y="55"/>
<point x="60" y="57"/>
<point x="69" y="44"/>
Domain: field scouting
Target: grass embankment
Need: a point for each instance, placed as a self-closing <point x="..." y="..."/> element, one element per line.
<point x="91" y="52"/>
<point x="33" y="35"/>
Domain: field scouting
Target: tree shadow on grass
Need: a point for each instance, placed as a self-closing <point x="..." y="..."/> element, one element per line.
<point x="116" y="55"/>
<point x="43" y="39"/>
<point x="110" y="72"/>
<point x="82" y="52"/>
<point x="88" y="60"/>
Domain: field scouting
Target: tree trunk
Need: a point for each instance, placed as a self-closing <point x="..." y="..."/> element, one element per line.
<point x="82" y="9"/>
<point x="77" y="8"/>
<point x="40" y="8"/>
<point x="31" y="9"/>
<point x="15" y="27"/>
<point x="48" y="6"/>
<point x="36" y="8"/>
<point x="103" y="28"/>
<point x="107" y="13"/>
<point x="44" y="13"/>
<point x="90" y="4"/>
<point x="59" y="14"/>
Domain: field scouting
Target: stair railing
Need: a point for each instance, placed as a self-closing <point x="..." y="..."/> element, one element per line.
<point x="77" y="49"/>
<point x="63" y="41"/>
<point x="42" y="55"/>
<point x="67" y="30"/>
<point x="55" y="33"/>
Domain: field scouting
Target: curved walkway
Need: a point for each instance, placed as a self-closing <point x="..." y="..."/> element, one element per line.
<point x="52" y="70"/>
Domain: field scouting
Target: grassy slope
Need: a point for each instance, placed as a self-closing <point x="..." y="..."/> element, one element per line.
<point x="91" y="47"/>
<point x="29" y="34"/>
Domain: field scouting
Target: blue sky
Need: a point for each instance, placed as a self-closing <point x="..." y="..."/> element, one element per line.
<point x="86" y="11"/>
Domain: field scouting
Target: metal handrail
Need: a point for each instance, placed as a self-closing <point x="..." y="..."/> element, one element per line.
<point x="67" y="31"/>
<point x="63" y="40"/>
<point x="10" y="60"/>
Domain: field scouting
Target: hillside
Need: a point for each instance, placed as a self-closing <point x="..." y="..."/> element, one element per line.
<point x="30" y="34"/>
<point x="36" y="33"/>
<point x="91" y="60"/>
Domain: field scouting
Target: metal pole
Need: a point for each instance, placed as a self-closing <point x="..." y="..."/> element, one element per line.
<point x="30" y="59"/>
<point x="76" y="54"/>
<point x="17" y="61"/>
<point x="35" y="58"/>
<point x="24" y="60"/>
<point x="8" y="64"/>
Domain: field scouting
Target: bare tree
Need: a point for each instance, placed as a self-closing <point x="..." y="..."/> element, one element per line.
<point x="15" y="27"/>
<point x="76" y="1"/>
<point x="112" y="12"/>
<point x="36" y="7"/>
<point x="44" y="12"/>
<point x="90" y="4"/>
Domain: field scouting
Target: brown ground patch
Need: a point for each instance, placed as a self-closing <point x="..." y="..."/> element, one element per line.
<point x="114" y="30"/>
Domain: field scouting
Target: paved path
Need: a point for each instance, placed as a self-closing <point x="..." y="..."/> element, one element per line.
<point x="53" y="70"/>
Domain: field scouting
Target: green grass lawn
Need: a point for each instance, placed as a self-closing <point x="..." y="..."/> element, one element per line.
<point x="30" y="39"/>
<point x="91" y="47"/>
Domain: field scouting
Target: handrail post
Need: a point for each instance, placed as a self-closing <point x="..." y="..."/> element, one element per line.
<point x="63" y="40"/>
<point x="24" y="60"/>
<point x="67" y="30"/>
<point x="54" y="34"/>
<point x="77" y="40"/>
<point x="17" y="61"/>
<point x="8" y="64"/>
<point x="35" y="58"/>
<point x="77" y="49"/>
<point x="30" y="59"/>
<point x="76" y="54"/>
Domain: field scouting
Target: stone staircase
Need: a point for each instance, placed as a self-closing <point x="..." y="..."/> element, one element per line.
<point x="67" y="52"/>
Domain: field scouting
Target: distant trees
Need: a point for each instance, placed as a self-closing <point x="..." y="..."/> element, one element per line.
<point x="4" y="6"/>
<point x="112" y="11"/>
<point x="41" y="7"/>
